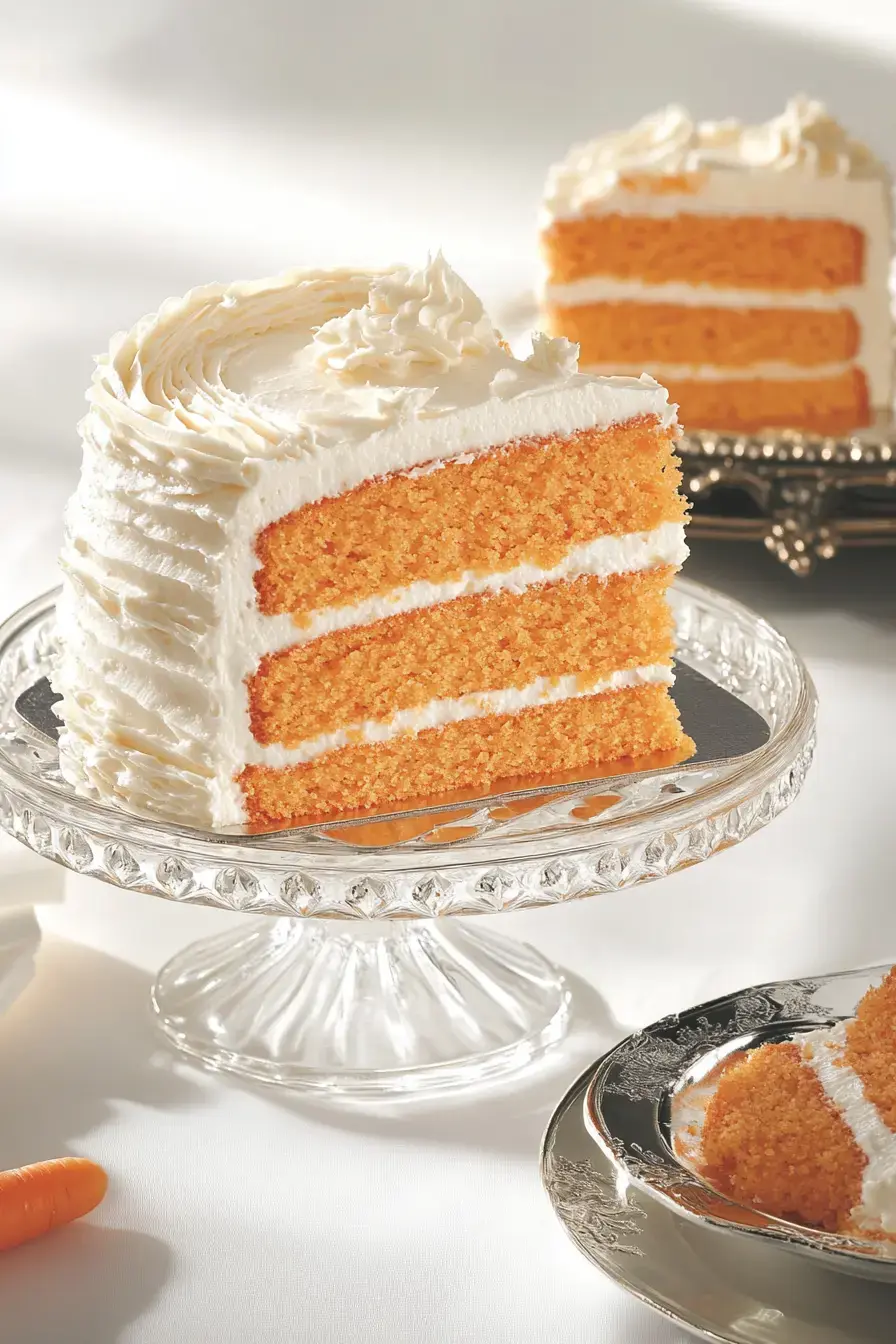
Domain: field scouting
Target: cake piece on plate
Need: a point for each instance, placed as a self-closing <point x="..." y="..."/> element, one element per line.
<point x="747" y="267"/>
<point x="334" y="547"/>
<point x="807" y="1130"/>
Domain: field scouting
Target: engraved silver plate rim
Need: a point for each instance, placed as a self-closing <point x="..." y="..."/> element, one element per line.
<point x="603" y="1258"/>
<point x="291" y="873"/>
<point x="616" y="1225"/>
<point x="792" y="1005"/>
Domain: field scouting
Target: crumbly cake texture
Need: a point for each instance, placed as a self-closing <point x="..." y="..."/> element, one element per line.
<point x="529" y="503"/>
<point x="745" y="266"/>
<point x="335" y="547"/>
<point x="807" y="1130"/>
<point x="472" y="753"/>
<point x="586" y="628"/>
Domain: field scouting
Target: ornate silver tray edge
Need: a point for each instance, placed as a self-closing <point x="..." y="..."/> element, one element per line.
<point x="716" y="1287"/>
<point x="597" y="1216"/>
<point x="627" y="1107"/>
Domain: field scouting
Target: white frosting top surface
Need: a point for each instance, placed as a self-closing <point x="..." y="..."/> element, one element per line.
<point x="290" y="367"/>
<point x="803" y="141"/>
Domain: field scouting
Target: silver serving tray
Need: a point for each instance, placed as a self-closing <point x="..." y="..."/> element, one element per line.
<point x="805" y="497"/>
<point x="722" y="1288"/>
<point x="644" y="1100"/>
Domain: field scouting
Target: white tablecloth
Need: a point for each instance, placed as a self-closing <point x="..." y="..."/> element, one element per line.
<point x="148" y="148"/>
<point x="241" y="1214"/>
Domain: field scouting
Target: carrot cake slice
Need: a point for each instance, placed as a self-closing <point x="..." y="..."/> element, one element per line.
<point x="334" y="547"/>
<point x="806" y="1130"/>
<point x="747" y="267"/>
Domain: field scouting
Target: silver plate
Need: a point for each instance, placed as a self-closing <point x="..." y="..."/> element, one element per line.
<point x="871" y="445"/>
<point x="805" y="497"/>
<point x="720" y="1288"/>
<point x="645" y="1099"/>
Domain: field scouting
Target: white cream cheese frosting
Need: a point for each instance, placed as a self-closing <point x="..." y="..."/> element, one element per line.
<point x="804" y="144"/>
<point x="412" y="319"/>
<point x="770" y="370"/>
<point x="438" y="713"/>
<point x="866" y="302"/>
<point x="824" y="1052"/>
<point x="801" y="164"/>
<point x="228" y="409"/>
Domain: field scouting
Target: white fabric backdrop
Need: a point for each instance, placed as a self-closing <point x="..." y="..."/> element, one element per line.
<point x="151" y="147"/>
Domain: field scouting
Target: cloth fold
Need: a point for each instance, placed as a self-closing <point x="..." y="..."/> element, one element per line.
<point x="26" y="880"/>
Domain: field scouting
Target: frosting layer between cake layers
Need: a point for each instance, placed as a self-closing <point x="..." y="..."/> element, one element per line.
<point x="671" y="176"/>
<point x="826" y="1051"/>
<point x="237" y="406"/>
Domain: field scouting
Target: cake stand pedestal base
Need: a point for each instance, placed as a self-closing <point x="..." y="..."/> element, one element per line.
<point x="386" y="1008"/>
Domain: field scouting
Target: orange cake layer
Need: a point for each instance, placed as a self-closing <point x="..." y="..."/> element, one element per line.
<point x="587" y="627"/>
<point x="666" y="333"/>
<point x="529" y="502"/>
<point x="472" y="753"/>
<point x="871" y="1048"/>
<point x="772" y="1139"/>
<point x="825" y="405"/>
<point x="737" y="252"/>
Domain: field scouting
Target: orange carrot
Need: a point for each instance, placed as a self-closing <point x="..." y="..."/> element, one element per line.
<point x="35" y="1199"/>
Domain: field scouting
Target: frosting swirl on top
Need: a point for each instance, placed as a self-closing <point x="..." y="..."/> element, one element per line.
<point x="657" y="143"/>
<point x="230" y="376"/>
<point x="428" y="317"/>
<point x="804" y="138"/>
<point x="554" y="356"/>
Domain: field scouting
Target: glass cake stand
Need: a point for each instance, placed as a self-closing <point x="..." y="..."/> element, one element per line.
<point x="356" y="983"/>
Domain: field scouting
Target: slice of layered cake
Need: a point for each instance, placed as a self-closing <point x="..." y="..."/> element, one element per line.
<point x="746" y="267"/>
<point x="334" y="547"/>
<point x="807" y="1130"/>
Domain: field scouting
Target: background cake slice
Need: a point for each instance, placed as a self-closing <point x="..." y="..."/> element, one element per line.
<point x="334" y="547"/>
<point x="746" y="267"/>
<point x="806" y="1130"/>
